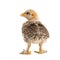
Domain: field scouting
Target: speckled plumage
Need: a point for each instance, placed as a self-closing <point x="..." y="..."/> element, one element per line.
<point x="34" y="32"/>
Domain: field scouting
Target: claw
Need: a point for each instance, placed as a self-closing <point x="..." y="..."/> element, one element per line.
<point x="25" y="52"/>
<point x="41" y="52"/>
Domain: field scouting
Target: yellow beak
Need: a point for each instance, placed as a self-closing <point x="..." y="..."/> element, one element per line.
<point x="23" y="14"/>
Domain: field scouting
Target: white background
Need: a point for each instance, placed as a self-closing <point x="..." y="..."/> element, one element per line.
<point x="11" y="40"/>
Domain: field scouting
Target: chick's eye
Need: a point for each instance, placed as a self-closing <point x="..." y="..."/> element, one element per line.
<point x="27" y="13"/>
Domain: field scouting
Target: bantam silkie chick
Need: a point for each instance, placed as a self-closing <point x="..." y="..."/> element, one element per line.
<point x="33" y="31"/>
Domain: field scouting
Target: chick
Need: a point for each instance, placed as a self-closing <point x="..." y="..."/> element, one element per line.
<point x="33" y="31"/>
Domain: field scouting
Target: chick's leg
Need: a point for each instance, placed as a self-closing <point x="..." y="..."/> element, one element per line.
<point x="41" y="51"/>
<point x="27" y="50"/>
<point x="28" y="47"/>
<point x="40" y="48"/>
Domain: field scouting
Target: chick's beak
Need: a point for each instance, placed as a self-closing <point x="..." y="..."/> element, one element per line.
<point x="23" y="14"/>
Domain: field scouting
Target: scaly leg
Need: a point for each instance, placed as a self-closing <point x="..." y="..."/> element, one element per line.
<point x="40" y="49"/>
<point x="27" y="51"/>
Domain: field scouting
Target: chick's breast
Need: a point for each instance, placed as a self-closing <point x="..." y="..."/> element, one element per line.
<point x="34" y="32"/>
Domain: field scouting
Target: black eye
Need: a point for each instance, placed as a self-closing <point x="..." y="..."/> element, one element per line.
<point x="27" y="13"/>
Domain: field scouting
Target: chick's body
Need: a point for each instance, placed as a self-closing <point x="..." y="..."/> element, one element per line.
<point x="34" y="32"/>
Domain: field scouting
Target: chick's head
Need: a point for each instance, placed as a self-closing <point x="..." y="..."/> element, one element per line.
<point x="30" y="14"/>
